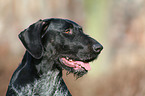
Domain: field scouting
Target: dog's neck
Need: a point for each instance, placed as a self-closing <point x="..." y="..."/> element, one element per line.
<point x="46" y="65"/>
<point x="49" y="83"/>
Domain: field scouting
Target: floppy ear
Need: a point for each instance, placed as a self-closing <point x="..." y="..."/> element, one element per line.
<point x="31" y="39"/>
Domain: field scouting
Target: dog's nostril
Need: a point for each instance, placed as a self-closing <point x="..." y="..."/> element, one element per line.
<point x="97" y="48"/>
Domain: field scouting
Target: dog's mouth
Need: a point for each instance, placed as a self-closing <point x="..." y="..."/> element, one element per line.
<point x="76" y="65"/>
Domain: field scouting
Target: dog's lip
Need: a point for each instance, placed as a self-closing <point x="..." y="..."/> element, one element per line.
<point x="76" y="65"/>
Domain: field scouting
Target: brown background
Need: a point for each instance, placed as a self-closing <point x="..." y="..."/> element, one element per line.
<point x="119" y="25"/>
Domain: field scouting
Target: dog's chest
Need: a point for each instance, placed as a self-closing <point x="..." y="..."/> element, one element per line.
<point x="49" y="84"/>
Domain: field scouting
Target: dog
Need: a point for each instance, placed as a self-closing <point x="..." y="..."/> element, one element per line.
<point x="52" y="45"/>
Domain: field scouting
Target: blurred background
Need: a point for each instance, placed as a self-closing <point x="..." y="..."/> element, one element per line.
<point x="119" y="25"/>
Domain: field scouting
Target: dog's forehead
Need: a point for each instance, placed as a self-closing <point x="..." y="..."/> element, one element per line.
<point x="72" y="22"/>
<point x="64" y="23"/>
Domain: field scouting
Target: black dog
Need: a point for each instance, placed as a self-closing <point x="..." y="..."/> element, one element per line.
<point x="52" y="45"/>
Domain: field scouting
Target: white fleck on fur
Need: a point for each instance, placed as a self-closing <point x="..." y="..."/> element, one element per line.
<point x="48" y="85"/>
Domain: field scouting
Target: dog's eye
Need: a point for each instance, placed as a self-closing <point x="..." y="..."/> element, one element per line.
<point x="68" y="31"/>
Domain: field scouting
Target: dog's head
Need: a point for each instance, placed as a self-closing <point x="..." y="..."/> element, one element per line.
<point x="62" y="41"/>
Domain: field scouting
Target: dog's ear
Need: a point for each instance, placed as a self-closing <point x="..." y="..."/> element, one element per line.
<point x="31" y="38"/>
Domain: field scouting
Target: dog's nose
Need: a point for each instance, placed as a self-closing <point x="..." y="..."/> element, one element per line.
<point x="97" y="48"/>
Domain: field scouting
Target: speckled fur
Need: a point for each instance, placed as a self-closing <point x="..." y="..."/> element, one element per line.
<point x="48" y="85"/>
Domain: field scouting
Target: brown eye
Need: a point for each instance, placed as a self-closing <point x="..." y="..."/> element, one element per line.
<point x="68" y="31"/>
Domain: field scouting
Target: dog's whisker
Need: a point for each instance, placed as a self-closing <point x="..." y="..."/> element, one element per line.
<point x="67" y="73"/>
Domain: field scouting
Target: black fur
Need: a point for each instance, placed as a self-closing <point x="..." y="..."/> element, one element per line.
<point x="46" y="42"/>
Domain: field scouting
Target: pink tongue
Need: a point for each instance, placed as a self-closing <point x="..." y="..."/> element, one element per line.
<point x="76" y="64"/>
<point x="85" y="65"/>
